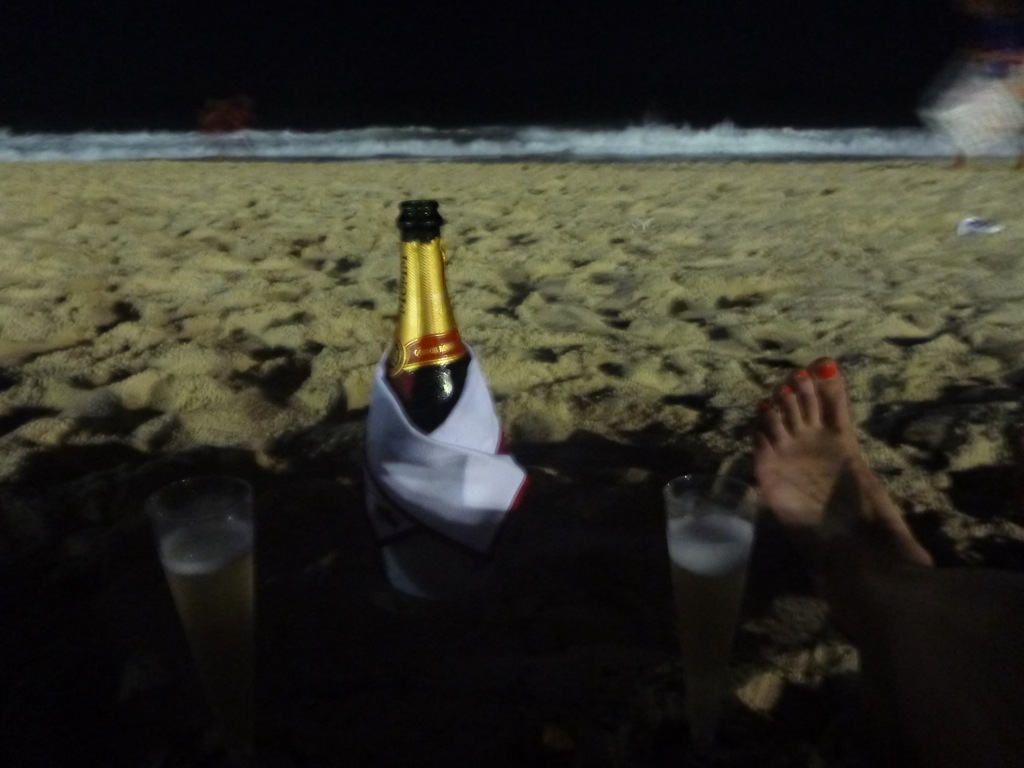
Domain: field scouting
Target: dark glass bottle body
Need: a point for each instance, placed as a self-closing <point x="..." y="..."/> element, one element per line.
<point x="428" y="362"/>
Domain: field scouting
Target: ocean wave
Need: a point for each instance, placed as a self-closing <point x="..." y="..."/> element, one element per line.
<point x="636" y="143"/>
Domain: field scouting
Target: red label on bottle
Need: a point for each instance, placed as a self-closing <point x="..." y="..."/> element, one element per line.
<point x="430" y="350"/>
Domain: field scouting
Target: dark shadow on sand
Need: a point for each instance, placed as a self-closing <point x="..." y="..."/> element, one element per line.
<point x="569" y="661"/>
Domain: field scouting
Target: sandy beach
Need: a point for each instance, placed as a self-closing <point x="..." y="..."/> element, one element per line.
<point x="163" y="319"/>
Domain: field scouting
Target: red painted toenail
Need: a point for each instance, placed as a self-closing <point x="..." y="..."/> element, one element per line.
<point x="801" y="374"/>
<point x="764" y="405"/>
<point x="827" y="370"/>
<point x="786" y="389"/>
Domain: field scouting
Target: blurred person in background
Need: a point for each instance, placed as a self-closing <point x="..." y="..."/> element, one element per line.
<point x="994" y="48"/>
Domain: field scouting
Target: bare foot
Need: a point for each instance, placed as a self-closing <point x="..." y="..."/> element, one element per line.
<point x="939" y="648"/>
<point x="813" y="475"/>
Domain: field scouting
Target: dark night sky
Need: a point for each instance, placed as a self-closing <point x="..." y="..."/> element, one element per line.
<point x="137" y="64"/>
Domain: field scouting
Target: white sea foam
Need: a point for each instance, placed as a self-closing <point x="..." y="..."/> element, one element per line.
<point x="205" y="548"/>
<point x="713" y="544"/>
<point x="725" y="141"/>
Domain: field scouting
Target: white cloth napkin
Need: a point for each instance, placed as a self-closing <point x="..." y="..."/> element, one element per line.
<point x="453" y="480"/>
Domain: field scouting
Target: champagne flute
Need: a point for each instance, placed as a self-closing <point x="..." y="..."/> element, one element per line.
<point x="710" y="529"/>
<point x="204" y="534"/>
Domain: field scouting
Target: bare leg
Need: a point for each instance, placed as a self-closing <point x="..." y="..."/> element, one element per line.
<point x="942" y="650"/>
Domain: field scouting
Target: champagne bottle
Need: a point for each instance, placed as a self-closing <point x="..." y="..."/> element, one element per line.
<point x="427" y="364"/>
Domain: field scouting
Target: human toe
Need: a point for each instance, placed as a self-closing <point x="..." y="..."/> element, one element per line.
<point x="830" y="387"/>
<point x="789" y="406"/>
<point x="803" y="385"/>
<point x="771" y="426"/>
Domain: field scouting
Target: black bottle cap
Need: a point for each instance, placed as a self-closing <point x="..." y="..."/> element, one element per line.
<point x="419" y="218"/>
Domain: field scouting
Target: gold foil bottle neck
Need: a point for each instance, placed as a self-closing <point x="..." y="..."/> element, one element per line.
<point x="426" y="333"/>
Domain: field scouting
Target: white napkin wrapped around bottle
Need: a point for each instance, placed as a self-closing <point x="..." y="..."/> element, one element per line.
<point x="437" y="501"/>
